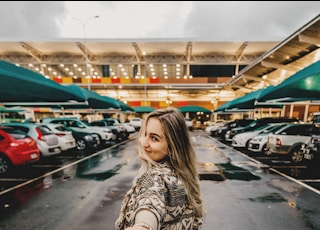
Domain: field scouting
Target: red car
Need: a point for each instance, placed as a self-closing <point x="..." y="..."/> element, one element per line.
<point x="16" y="148"/>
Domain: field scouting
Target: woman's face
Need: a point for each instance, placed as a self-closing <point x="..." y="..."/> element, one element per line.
<point x="155" y="145"/>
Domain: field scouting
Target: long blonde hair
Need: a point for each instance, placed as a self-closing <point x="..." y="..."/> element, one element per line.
<point x="182" y="156"/>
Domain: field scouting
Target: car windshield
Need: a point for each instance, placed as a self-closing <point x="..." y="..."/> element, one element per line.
<point x="61" y="128"/>
<point x="16" y="134"/>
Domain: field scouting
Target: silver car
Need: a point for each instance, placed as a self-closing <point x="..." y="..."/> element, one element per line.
<point x="66" y="140"/>
<point x="47" y="142"/>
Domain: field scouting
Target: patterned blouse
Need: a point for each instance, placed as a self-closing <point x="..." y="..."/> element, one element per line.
<point x="159" y="191"/>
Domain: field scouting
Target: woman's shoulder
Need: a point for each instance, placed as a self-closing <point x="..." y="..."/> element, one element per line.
<point x="157" y="173"/>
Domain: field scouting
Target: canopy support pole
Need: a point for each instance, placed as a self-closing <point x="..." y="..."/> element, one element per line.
<point x="306" y="110"/>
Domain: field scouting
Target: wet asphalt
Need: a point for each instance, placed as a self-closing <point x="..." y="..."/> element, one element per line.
<point x="238" y="192"/>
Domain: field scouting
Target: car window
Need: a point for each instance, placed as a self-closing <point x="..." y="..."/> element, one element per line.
<point x="110" y="122"/>
<point x="23" y="129"/>
<point x="44" y="130"/>
<point x="298" y="130"/>
<point x="16" y="134"/>
<point x="97" y="123"/>
<point x="61" y="128"/>
<point x="80" y="124"/>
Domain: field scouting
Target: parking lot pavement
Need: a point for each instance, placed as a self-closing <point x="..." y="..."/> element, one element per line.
<point x="238" y="193"/>
<point x="248" y="195"/>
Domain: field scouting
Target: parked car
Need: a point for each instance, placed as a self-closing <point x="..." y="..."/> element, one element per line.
<point x="66" y="139"/>
<point x="129" y="127"/>
<point x="213" y="127"/>
<point x="85" y="140"/>
<point x="136" y="122"/>
<point x="16" y="148"/>
<point x="47" y="142"/>
<point x="224" y="131"/>
<point x="189" y="123"/>
<point x="287" y="141"/>
<point x="241" y="140"/>
<point x="105" y="134"/>
<point x="258" y="143"/>
<point x="256" y="124"/>
<point x="119" y="132"/>
<point x="311" y="149"/>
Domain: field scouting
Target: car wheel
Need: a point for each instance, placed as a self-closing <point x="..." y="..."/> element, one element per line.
<point x="81" y="144"/>
<point x="5" y="164"/>
<point x="100" y="139"/>
<point x="247" y="144"/>
<point x="296" y="155"/>
<point x="266" y="151"/>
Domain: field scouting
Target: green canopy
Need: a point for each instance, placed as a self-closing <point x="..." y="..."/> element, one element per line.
<point x="18" y="84"/>
<point x="246" y="102"/>
<point x="143" y="109"/>
<point x="124" y="107"/>
<point x="94" y="100"/>
<point x="302" y="86"/>
<point x="193" y="108"/>
<point x="9" y="110"/>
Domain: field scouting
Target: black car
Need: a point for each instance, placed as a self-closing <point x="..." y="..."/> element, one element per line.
<point x="84" y="140"/>
<point x="221" y="132"/>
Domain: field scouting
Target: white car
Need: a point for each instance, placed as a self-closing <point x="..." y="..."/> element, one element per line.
<point x="241" y="140"/>
<point x="105" y="134"/>
<point x="47" y="142"/>
<point x="66" y="139"/>
<point x="189" y="123"/>
<point x="136" y="122"/>
<point x="129" y="127"/>
<point x="287" y="141"/>
<point x="214" y="126"/>
<point x="258" y="144"/>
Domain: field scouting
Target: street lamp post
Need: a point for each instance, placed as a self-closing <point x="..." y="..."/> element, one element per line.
<point x="84" y="24"/>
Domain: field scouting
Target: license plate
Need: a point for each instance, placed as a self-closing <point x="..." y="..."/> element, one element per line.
<point x="57" y="150"/>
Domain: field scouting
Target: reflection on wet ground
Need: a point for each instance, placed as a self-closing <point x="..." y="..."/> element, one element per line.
<point x="228" y="171"/>
<point x="101" y="176"/>
<point x="273" y="197"/>
<point x="215" y="164"/>
<point x="22" y="185"/>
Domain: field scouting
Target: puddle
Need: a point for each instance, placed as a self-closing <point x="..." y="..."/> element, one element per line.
<point x="233" y="172"/>
<point x="101" y="176"/>
<point x="273" y="197"/>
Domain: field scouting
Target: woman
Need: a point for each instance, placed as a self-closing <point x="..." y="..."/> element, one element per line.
<point x="166" y="191"/>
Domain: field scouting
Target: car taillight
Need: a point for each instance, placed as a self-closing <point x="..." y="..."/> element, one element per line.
<point x="278" y="142"/>
<point x="60" y="134"/>
<point x="40" y="135"/>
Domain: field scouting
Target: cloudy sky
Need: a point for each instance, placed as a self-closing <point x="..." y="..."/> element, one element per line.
<point x="211" y="21"/>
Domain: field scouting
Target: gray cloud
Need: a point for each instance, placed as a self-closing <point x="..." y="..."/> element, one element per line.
<point x="29" y="19"/>
<point x="249" y="20"/>
<point x="213" y="20"/>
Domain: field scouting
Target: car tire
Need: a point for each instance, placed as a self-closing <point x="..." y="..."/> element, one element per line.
<point x="296" y="155"/>
<point x="264" y="150"/>
<point x="5" y="164"/>
<point x="81" y="144"/>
